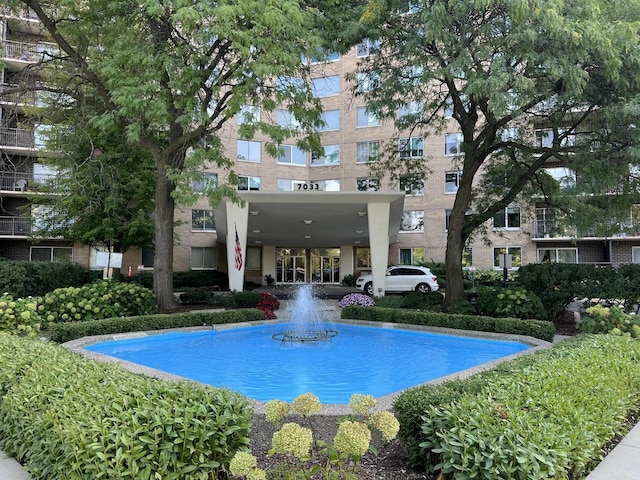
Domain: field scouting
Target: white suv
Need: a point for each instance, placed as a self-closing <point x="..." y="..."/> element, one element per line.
<point x="402" y="278"/>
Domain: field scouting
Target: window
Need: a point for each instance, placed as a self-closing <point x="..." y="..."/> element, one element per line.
<point x="286" y="185"/>
<point x="367" y="47"/>
<point x="515" y="252"/>
<point x="363" y="258"/>
<point x="246" y="182"/>
<point x="453" y="143"/>
<point x="248" y="114"/>
<point x="322" y="57"/>
<point x="292" y="85"/>
<point x="367" y="184"/>
<point x="509" y="134"/>
<point x="412" y="185"/>
<point x="452" y="181"/>
<point x="546" y="224"/>
<point x="43" y="173"/>
<point x="248" y="150"/>
<point x="329" y="185"/>
<point x="42" y="135"/>
<point x="367" y="152"/>
<point x="366" y="82"/>
<point x="148" y="255"/>
<point x="467" y="257"/>
<point x="364" y="118"/>
<point x="286" y="119"/>
<point x="412" y="221"/>
<point x="448" y="108"/>
<point x="51" y="254"/>
<point x="292" y="155"/>
<point x="202" y="221"/>
<point x="410" y="109"/>
<point x="544" y="138"/>
<point x="203" y="258"/>
<point x="326" y="86"/>
<point x="208" y="180"/>
<point x="565" y="177"/>
<point x="412" y="147"/>
<point x="411" y="76"/>
<point x="635" y="253"/>
<point x="330" y="120"/>
<point x="557" y="255"/>
<point x="331" y="156"/>
<point x="507" y="218"/>
<point x="411" y="256"/>
<point x="447" y="217"/>
<point x="253" y="260"/>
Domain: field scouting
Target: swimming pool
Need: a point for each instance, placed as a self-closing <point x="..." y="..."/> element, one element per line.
<point x="360" y="359"/>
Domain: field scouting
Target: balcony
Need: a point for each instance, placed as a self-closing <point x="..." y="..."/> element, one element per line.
<point x="14" y="96"/>
<point x="17" y="138"/>
<point x="14" y="227"/>
<point x="23" y="20"/>
<point x="18" y="55"/>
<point x="21" y="182"/>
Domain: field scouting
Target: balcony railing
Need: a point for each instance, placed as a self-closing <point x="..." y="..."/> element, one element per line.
<point x="12" y="94"/>
<point x="14" y="226"/>
<point x="27" y="182"/>
<point x="27" y="51"/>
<point x="17" y="137"/>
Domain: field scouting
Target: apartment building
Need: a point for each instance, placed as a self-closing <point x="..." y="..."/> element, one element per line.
<point x="306" y="217"/>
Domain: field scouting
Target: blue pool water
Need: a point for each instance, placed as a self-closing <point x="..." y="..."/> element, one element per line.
<point x="367" y="360"/>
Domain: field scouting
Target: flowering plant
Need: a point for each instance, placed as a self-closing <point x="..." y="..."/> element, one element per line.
<point x="356" y="299"/>
<point x="295" y="444"/>
<point x="19" y="316"/>
<point x="268" y="303"/>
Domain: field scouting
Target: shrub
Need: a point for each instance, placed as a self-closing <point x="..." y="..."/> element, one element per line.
<point x="102" y="299"/>
<point x="65" y="332"/>
<point x="490" y="277"/>
<point x="601" y="319"/>
<point x="294" y="444"/>
<point x="422" y="301"/>
<point x="69" y="417"/>
<point x="534" y="328"/>
<point x="268" y="304"/>
<point x="19" y="316"/>
<point x="509" y="302"/>
<point x="544" y="416"/>
<point x="349" y="280"/>
<point x="23" y="279"/>
<point x="356" y="299"/>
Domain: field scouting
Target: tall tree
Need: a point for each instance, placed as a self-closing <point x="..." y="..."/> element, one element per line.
<point x="501" y="69"/>
<point x="171" y="73"/>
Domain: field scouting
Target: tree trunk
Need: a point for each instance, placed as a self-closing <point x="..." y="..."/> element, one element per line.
<point x="163" y="256"/>
<point x="456" y="240"/>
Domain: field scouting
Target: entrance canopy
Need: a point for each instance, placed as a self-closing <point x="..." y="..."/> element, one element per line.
<point x="311" y="219"/>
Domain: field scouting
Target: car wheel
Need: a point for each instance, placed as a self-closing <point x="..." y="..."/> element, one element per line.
<point x="423" y="288"/>
<point x="369" y="288"/>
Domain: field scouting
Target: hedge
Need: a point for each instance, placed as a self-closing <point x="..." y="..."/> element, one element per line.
<point x="66" y="417"/>
<point x="541" y="416"/>
<point x="25" y="279"/>
<point x="533" y="328"/>
<point x="65" y="332"/>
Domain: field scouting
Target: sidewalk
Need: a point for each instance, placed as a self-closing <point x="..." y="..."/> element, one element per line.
<point x="622" y="463"/>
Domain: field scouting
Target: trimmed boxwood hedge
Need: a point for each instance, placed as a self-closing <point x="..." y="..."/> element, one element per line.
<point x="540" y="416"/>
<point x="66" y="417"/>
<point x="66" y="332"/>
<point x="532" y="328"/>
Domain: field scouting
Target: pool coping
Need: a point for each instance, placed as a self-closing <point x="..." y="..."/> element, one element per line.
<point x="382" y="403"/>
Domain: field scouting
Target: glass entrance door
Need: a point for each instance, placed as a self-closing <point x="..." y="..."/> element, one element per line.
<point x="292" y="265"/>
<point x="325" y="265"/>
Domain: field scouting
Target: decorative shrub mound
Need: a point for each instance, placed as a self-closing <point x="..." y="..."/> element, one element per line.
<point x="64" y="416"/>
<point x="545" y="415"/>
<point x="102" y="299"/>
<point x="19" y="316"/>
<point x="23" y="278"/>
<point x="513" y="302"/>
<point x="614" y="320"/>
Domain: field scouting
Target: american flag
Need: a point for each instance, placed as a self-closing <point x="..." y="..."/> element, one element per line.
<point x="238" y="252"/>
